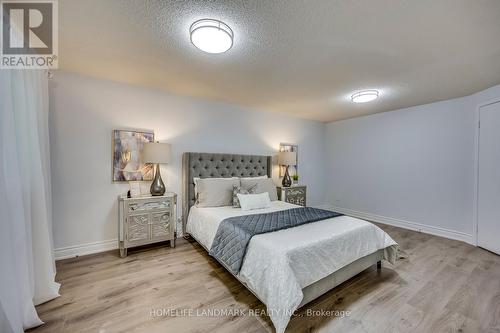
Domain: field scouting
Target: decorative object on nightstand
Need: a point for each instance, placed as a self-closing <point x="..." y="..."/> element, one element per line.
<point x="157" y="153"/>
<point x="295" y="179"/>
<point x="146" y="220"/>
<point x="135" y="189"/>
<point x="287" y="158"/>
<point x="294" y="194"/>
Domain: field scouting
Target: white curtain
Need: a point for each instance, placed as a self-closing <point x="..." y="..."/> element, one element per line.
<point x="27" y="268"/>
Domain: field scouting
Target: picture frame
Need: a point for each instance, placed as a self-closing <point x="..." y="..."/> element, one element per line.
<point x="135" y="189"/>
<point x="126" y="163"/>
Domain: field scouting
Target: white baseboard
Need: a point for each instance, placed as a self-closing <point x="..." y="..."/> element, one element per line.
<point x="427" y="229"/>
<point x="83" y="249"/>
<point x="112" y="244"/>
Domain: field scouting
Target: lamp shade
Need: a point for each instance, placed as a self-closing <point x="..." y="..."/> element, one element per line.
<point x="287" y="158"/>
<point x="155" y="152"/>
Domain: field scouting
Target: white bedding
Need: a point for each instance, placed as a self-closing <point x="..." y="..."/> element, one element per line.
<point x="300" y="256"/>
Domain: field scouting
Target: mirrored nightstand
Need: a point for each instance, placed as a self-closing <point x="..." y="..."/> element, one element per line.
<point x="146" y="220"/>
<point x="295" y="194"/>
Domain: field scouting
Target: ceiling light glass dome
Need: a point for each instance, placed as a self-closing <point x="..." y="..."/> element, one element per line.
<point x="211" y="36"/>
<point x="365" y="96"/>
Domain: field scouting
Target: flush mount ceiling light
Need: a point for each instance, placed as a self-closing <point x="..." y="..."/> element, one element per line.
<point x="212" y="36"/>
<point x="364" y="96"/>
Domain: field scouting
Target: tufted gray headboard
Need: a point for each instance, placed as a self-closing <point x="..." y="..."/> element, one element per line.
<point x="208" y="165"/>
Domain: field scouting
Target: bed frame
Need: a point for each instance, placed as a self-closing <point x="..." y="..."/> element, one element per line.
<point x="208" y="165"/>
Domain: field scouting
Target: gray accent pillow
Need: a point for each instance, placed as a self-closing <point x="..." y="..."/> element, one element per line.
<point x="262" y="185"/>
<point x="237" y="189"/>
<point x="256" y="177"/>
<point x="215" y="192"/>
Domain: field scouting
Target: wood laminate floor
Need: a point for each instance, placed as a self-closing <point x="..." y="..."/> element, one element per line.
<point x="442" y="286"/>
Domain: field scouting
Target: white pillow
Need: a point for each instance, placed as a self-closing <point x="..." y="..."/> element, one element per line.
<point x="216" y="192"/>
<point x="254" y="201"/>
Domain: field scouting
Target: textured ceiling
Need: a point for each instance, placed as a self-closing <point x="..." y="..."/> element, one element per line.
<point x="303" y="58"/>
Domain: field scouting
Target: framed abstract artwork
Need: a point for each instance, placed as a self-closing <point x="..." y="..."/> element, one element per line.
<point x="127" y="156"/>
<point x="293" y="169"/>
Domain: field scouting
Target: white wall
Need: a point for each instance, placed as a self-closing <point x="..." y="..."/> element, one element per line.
<point x="83" y="113"/>
<point x="412" y="167"/>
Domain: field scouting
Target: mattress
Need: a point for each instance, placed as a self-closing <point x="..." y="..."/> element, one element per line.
<point x="300" y="256"/>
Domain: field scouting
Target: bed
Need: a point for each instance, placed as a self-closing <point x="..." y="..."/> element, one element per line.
<point x="312" y="258"/>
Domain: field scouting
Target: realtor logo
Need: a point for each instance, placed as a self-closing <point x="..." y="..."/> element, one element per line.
<point x="29" y="34"/>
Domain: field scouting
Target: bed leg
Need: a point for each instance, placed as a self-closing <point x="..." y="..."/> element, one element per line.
<point x="379" y="264"/>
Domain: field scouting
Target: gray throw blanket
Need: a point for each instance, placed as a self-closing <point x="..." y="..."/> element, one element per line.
<point x="234" y="233"/>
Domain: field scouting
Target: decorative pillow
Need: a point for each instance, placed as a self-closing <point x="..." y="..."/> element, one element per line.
<point x="215" y="192"/>
<point x="263" y="185"/>
<point x="254" y="201"/>
<point x="237" y="189"/>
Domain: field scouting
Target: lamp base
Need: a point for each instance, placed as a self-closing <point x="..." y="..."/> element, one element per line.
<point x="287" y="181"/>
<point x="157" y="186"/>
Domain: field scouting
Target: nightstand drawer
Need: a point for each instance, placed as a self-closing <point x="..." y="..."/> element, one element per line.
<point x="148" y="205"/>
<point x="293" y="192"/>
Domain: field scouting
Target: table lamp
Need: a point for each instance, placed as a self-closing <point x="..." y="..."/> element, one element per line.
<point x="287" y="158"/>
<point x="157" y="153"/>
